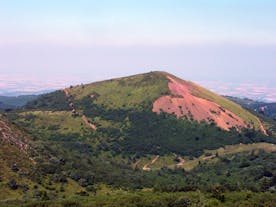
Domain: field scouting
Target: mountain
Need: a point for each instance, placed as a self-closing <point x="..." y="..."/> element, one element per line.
<point x="167" y="94"/>
<point x="15" y="93"/>
<point x="4" y="106"/>
<point x="147" y="131"/>
<point x="139" y="113"/>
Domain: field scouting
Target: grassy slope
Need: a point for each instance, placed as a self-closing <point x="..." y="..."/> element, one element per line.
<point x="208" y="155"/>
<point x="228" y="150"/>
<point x="152" y="199"/>
<point x="127" y="93"/>
<point x="10" y="154"/>
<point x="49" y="122"/>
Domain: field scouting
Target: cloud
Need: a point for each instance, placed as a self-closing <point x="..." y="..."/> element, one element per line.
<point x="21" y="83"/>
<point x="244" y="90"/>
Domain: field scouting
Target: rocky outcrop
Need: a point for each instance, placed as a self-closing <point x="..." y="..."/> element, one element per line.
<point x="184" y="104"/>
<point x="9" y="135"/>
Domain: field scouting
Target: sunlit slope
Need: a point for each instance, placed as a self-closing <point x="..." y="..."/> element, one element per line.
<point x="249" y="119"/>
<point x="133" y="92"/>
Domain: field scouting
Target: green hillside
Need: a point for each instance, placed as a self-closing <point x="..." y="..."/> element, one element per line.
<point x="134" y="92"/>
<point x="121" y="110"/>
<point x="103" y="138"/>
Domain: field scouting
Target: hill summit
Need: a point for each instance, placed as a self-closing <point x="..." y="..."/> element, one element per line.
<point x="152" y="113"/>
<point x="163" y="92"/>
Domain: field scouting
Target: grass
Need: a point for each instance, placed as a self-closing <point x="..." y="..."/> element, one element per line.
<point x="10" y="154"/>
<point x="168" y="160"/>
<point x="57" y="121"/>
<point x="127" y="93"/>
<point x="227" y="150"/>
<point x="70" y="189"/>
<point x="150" y="199"/>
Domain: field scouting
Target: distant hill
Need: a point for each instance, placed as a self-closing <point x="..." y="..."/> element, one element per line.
<point x="267" y="109"/>
<point x="13" y="93"/>
<point x="13" y="102"/>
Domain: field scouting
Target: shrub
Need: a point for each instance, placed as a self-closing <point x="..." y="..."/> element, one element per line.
<point x="182" y="202"/>
<point x="13" y="184"/>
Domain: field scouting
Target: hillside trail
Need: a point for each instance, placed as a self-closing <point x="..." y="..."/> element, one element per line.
<point x="92" y="126"/>
<point x="73" y="110"/>
<point x="208" y="157"/>
<point x="262" y="128"/>
<point x="146" y="166"/>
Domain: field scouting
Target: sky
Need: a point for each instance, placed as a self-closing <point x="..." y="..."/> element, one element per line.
<point x="219" y="43"/>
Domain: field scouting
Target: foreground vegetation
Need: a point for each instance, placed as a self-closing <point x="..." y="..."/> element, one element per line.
<point x="153" y="199"/>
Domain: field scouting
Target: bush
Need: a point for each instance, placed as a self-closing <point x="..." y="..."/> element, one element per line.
<point x="182" y="202"/>
<point x="13" y="184"/>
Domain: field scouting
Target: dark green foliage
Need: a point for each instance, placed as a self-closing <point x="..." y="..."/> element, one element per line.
<point x="13" y="184"/>
<point x="243" y="172"/>
<point x="40" y="195"/>
<point x="93" y="110"/>
<point x="160" y="134"/>
<point x="151" y="199"/>
<point x="55" y="101"/>
<point x="14" y="167"/>
<point x="182" y="202"/>
<point x="138" y="134"/>
<point x="150" y="133"/>
<point x="71" y="204"/>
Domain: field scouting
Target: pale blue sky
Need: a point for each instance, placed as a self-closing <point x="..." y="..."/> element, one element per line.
<point x="200" y="40"/>
<point x="138" y="22"/>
